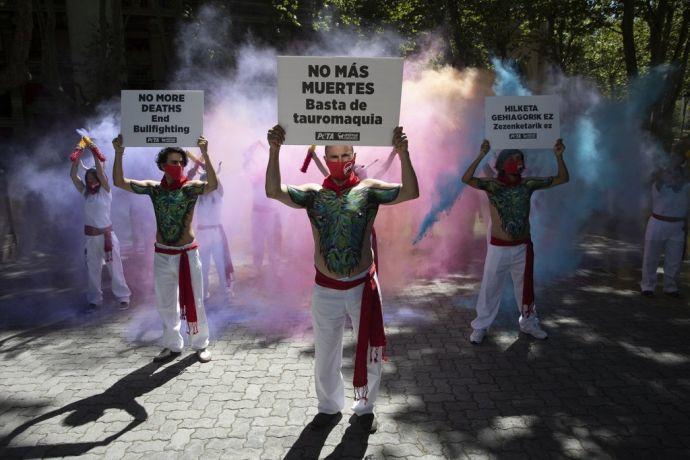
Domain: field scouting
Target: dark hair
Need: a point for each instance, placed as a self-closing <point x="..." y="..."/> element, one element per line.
<point x="86" y="182"/>
<point x="162" y="157"/>
<point x="503" y="156"/>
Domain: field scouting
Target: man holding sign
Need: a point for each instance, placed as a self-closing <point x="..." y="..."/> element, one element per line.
<point x="510" y="250"/>
<point x="177" y="266"/>
<point x="342" y="212"/>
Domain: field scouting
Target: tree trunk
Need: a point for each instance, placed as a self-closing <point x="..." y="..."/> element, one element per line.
<point x="629" y="38"/>
<point x="49" y="65"/>
<point x="17" y="71"/>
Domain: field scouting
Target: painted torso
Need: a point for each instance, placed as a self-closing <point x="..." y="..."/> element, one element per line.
<point x="174" y="210"/>
<point x="510" y="206"/>
<point x="342" y="225"/>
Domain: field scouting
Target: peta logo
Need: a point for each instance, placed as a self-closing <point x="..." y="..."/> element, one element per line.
<point x="324" y="136"/>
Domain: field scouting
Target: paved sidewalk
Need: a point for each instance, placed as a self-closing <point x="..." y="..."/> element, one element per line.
<point x="612" y="380"/>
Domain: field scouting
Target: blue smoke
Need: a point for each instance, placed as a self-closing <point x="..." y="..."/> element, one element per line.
<point x="449" y="188"/>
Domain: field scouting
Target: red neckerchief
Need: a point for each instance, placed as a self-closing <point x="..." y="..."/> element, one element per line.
<point x="505" y="179"/>
<point x="350" y="182"/>
<point x="371" y="333"/>
<point x="175" y="185"/>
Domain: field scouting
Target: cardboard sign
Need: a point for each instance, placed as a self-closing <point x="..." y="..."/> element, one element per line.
<point x="339" y="100"/>
<point x="522" y="122"/>
<point x="162" y="118"/>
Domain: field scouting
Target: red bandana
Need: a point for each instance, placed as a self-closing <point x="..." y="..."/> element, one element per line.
<point x="509" y="180"/>
<point x="174" y="185"/>
<point x="350" y="182"/>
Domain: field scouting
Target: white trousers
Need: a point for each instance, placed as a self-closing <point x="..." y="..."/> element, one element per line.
<point x="95" y="258"/>
<point x="211" y="246"/>
<point x="166" y="270"/>
<point x="500" y="262"/>
<point x="328" y="308"/>
<point x="667" y="238"/>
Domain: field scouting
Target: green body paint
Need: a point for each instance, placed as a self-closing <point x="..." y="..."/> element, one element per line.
<point x="513" y="202"/>
<point x="341" y="221"/>
<point x="172" y="208"/>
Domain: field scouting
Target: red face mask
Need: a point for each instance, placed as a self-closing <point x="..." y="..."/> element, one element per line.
<point x="340" y="170"/>
<point x="513" y="166"/>
<point x="174" y="171"/>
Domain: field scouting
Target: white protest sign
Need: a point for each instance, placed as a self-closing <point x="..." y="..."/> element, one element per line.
<point x="161" y="118"/>
<point x="522" y="122"/>
<point x="339" y="100"/>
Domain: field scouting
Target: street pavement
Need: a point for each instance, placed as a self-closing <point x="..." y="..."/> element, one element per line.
<point x="611" y="381"/>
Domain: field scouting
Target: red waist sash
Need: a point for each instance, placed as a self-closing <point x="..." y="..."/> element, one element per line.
<point x="371" y="333"/>
<point x="186" y="294"/>
<point x="107" y="239"/>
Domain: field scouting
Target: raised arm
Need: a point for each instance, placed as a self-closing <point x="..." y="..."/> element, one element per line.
<point x="274" y="188"/>
<point x="74" y="174"/>
<point x="211" y="179"/>
<point x="563" y="175"/>
<point x="100" y="173"/>
<point x="409" y="188"/>
<point x="119" y="179"/>
<point x="468" y="178"/>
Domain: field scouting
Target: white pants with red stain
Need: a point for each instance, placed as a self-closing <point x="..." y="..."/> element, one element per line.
<point x="500" y="262"/>
<point x="329" y="308"/>
<point x="95" y="259"/>
<point x="666" y="238"/>
<point x="166" y="269"/>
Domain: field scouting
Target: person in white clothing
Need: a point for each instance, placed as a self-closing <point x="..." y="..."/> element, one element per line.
<point x="342" y="211"/>
<point x="667" y="226"/>
<point x="214" y="242"/>
<point x="510" y="250"/>
<point x="102" y="245"/>
<point x="176" y="263"/>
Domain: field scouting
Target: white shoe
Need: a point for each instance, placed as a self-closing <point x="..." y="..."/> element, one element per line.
<point x="204" y="355"/>
<point x="477" y="336"/>
<point x="533" y="329"/>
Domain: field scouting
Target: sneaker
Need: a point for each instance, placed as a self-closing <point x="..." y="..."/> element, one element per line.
<point x="204" y="355"/>
<point x="165" y="355"/>
<point x="534" y="330"/>
<point x="674" y="294"/>
<point x="124" y="305"/>
<point x="477" y="336"/>
<point x="323" y="420"/>
<point x="648" y="293"/>
<point x="368" y="423"/>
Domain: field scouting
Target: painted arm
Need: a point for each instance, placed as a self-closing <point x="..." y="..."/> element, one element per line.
<point x="100" y="173"/>
<point x="74" y="174"/>
<point x="119" y="179"/>
<point x="468" y="178"/>
<point x="211" y="179"/>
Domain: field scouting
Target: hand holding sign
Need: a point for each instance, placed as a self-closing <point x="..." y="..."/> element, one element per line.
<point x="276" y="137"/>
<point x="484" y="149"/>
<point x="202" y="143"/>
<point x="400" y="141"/>
<point x="559" y="148"/>
<point x="117" y="145"/>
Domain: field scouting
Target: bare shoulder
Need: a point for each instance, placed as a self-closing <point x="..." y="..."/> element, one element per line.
<point x="376" y="183"/>
<point x="311" y="187"/>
